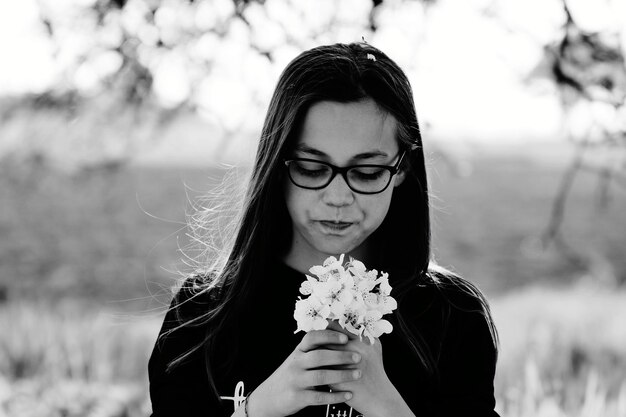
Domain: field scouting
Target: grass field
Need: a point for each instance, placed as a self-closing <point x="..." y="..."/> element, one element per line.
<point x="86" y="265"/>
<point x="105" y="235"/>
<point x="561" y="355"/>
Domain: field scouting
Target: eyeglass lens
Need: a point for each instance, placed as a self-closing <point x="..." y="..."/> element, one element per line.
<point x="310" y="174"/>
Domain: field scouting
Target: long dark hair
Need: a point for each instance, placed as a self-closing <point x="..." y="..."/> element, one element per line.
<point x="341" y="73"/>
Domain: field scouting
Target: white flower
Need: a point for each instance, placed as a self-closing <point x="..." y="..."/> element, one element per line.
<point x="371" y="300"/>
<point x="363" y="285"/>
<point x="357" y="297"/>
<point x="352" y="319"/>
<point x="311" y="314"/>
<point x="385" y="288"/>
<point x="306" y="287"/>
<point x="332" y="268"/>
<point x="371" y="275"/>
<point x="318" y="270"/>
<point x="350" y="294"/>
<point x="375" y="326"/>
<point x="357" y="268"/>
<point x="335" y="293"/>
<point x="387" y="304"/>
<point x="332" y="261"/>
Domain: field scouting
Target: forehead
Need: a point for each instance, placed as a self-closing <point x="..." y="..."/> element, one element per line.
<point x="343" y="130"/>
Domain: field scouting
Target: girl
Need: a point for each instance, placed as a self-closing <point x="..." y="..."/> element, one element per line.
<point x="339" y="169"/>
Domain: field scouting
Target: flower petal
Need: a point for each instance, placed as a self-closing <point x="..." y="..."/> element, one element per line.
<point x="382" y="326"/>
<point x="318" y="270"/>
<point x="306" y="288"/>
<point x="319" y="324"/>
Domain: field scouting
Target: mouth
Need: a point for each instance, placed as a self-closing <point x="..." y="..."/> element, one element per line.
<point x="335" y="226"/>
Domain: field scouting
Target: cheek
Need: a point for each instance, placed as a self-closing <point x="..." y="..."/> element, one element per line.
<point x="296" y="201"/>
<point x="376" y="208"/>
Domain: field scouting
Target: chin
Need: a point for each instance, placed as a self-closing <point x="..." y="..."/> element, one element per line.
<point x="336" y="249"/>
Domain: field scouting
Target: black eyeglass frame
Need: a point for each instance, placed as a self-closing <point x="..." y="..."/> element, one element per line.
<point x="344" y="172"/>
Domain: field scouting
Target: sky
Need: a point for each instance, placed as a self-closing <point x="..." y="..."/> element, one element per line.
<point x="468" y="60"/>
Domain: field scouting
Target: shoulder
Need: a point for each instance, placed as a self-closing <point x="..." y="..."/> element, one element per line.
<point x="193" y="300"/>
<point x="184" y="322"/>
<point x="200" y="287"/>
<point x="469" y="349"/>
<point x="456" y="304"/>
<point x="176" y="368"/>
<point x="195" y="295"/>
<point x="470" y="312"/>
<point x="460" y="293"/>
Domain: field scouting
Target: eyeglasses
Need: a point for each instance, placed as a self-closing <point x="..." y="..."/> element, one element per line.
<point x="363" y="179"/>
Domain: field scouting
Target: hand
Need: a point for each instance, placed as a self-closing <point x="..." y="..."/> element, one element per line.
<point x="373" y="390"/>
<point x="292" y="386"/>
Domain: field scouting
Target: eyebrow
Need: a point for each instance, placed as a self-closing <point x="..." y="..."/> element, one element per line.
<point x="363" y="155"/>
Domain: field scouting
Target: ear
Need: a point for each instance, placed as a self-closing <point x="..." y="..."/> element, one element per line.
<point x="399" y="178"/>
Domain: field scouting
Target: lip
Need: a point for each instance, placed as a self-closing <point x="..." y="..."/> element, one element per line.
<point x="334" y="227"/>
<point x="335" y="221"/>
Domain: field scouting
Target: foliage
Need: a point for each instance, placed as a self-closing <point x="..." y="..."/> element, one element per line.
<point x="127" y="44"/>
<point x="589" y="70"/>
<point x="133" y="67"/>
<point x="556" y="360"/>
<point x="74" y="360"/>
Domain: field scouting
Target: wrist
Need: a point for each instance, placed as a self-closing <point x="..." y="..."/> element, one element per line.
<point x="394" y="405"/>
<point x="254" y="407"/>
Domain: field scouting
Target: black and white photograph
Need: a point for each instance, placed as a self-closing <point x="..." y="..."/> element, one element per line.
<point x="313" y="208"/>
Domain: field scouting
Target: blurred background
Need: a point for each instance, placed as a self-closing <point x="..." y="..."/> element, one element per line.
<point x="116" y="117"/>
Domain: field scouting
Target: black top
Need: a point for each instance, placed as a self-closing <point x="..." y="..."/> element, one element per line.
<point x="463" y="350"/>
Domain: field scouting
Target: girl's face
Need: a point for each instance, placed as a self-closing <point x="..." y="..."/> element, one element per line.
<point x="336" y="219"/>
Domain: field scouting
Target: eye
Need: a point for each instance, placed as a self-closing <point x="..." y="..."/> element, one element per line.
<point x="367" y="173"/>
<point x="310" y="169"/>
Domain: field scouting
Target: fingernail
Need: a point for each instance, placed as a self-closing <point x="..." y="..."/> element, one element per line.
<point x="356" y="374"/>
<point x="348" y="395"/>
<point x="343" y="338"/>
<point x="356" y="357"/>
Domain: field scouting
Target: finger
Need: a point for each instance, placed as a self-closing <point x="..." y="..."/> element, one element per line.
<point x="317" y="338"/>
<point x="326" y="357"/>
<point x="322" y="397"/>
<point x="342" y="386"/>
<point x="333" y="325"/>
<point x="318" y="377"/>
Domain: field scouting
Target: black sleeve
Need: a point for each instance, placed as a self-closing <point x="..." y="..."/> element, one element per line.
<point x="467" y="367"/>
<point x="183" y="390"/>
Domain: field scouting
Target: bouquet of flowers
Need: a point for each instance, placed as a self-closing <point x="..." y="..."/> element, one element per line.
<point x="353" y="296"/>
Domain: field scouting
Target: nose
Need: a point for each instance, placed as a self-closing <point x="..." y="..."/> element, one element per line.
<point x="337" y="193"/>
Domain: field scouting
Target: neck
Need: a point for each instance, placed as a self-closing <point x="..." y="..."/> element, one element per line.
<point x="302" y="261"/>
